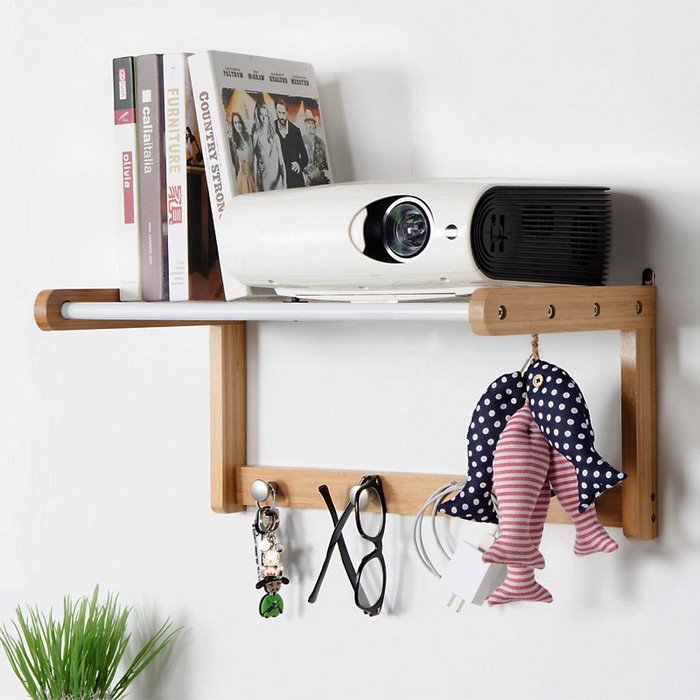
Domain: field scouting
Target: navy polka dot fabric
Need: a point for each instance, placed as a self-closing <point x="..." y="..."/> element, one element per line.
<point x="494" y="409"/>
<point x="560" y="411"/>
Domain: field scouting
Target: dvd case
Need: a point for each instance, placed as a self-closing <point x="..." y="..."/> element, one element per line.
<point x="261" y="127"/>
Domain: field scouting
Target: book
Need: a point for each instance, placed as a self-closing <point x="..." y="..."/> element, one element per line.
<point x="193" y="259"/>
<point x="152" y="192"/>
<point x="176" y="92"/>
<point x="261" y="125"/>
<point x="126" y="170"/>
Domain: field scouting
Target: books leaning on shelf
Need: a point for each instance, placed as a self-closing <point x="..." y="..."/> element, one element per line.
<point x="261" y="127"/>
<point x="168" y="250"/>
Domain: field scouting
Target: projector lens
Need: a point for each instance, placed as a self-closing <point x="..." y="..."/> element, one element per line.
<point x="406" y="229"/>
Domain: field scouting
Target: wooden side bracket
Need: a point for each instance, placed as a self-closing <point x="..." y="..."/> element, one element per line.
<point x="492" y="311"/>
<point x="228" y="367"/>
<point x="638" y="417"/>
<point x="518" y="310"/>
<point x="632" y="311"/>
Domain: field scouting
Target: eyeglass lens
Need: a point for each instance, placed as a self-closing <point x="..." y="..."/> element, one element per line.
<point x="371" y="518"/>
<point x="371" y="583"/>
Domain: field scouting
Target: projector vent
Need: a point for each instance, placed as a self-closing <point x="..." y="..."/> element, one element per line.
<point x="558" y="235"/>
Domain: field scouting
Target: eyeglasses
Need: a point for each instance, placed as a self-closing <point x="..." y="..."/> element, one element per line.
<point x="369" y="582"/>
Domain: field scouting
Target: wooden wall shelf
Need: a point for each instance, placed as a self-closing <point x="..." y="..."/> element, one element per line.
<point x="491" y="311"/>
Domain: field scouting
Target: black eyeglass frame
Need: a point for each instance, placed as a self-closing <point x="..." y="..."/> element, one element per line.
<point x="361" y="600"/>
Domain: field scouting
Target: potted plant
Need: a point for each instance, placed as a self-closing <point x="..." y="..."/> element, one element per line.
<point x="77" y="658"/>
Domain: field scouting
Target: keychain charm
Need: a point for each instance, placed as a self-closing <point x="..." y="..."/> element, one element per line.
<point x="268" y="550"/>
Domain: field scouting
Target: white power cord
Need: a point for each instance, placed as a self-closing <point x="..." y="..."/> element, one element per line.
<point x="433" y="502"/>
<point x="459" y="575"/>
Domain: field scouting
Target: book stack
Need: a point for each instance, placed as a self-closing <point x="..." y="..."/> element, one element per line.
<point x="262" y="129"/>
<point x="167" y="244"/>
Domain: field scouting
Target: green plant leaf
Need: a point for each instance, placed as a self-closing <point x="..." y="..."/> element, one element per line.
<point x="148" y="652"/>
<point x="80" y="655"/>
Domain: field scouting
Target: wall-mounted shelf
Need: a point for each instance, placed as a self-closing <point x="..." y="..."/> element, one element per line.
<point x="490" y="311"/>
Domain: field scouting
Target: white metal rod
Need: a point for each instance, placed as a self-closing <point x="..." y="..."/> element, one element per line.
<point x="267" y="311"/>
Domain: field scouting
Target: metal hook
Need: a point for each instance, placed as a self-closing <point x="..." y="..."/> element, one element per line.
<point x="261" y="490"/>
<point x="364" y="496"/>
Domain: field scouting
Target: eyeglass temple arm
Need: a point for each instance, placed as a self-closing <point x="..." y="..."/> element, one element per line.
<point x="353" y="576"/>
<point x="336" y="539"/>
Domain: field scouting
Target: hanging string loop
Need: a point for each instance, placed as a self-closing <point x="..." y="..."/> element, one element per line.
<point x="534" y="351"/>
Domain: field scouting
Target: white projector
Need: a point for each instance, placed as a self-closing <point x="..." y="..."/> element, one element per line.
<point x="370" y="241"/>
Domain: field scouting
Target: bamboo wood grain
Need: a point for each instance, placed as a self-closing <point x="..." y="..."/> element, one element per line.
<point x="228" y="369"/>
<point x="639" y="449"/>
<point x="48" y="303"/>
<point x="525" y="310"/>
<point x="405" y="492"/>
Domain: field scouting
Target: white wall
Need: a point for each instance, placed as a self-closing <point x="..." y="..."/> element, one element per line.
<point x="104" y="435"/>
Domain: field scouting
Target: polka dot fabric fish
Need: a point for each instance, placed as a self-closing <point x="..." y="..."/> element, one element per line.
<point x="499" y="402"/>
<point x="560" y="411"/>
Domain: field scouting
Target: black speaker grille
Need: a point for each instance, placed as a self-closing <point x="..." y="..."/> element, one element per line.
<point x="558" y="235"/>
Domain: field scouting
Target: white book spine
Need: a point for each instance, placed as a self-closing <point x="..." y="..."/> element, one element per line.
<point x="175" y="86"/>
<point x="220" y="174"/>
<point x="126" y="171"/>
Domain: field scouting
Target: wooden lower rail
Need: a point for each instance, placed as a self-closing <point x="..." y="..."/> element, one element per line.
<point x="492" y="311"/>
<point x="405" y="492"/>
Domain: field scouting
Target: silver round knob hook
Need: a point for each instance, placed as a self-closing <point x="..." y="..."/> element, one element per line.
<point x="261" y="490"/>
<point x="363" y="499"/>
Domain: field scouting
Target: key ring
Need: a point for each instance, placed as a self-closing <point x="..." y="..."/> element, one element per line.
<point x="267" y="519"/>
<point x="268" y="550"/>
